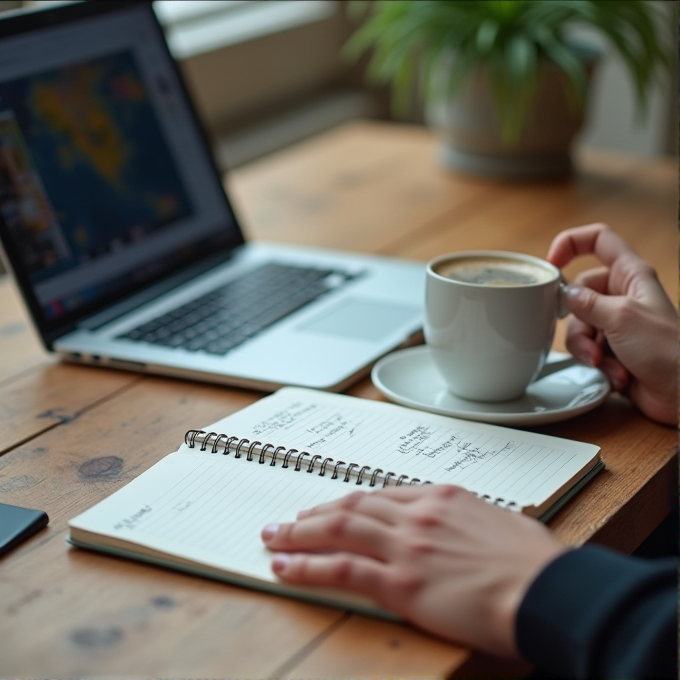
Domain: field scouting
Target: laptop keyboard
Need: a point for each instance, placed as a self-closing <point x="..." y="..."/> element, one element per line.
<point x="228" y="316"/>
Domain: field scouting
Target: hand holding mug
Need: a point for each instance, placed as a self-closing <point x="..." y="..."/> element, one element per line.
<point x="623" y="323"/>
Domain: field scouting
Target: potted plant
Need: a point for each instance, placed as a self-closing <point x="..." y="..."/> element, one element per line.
<point x="504" y="81"/>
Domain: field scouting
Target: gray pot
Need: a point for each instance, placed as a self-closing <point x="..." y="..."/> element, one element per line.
<point x="470" y="131"/>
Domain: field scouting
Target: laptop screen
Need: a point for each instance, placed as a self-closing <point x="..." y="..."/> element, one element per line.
<point x="106" y="183"/>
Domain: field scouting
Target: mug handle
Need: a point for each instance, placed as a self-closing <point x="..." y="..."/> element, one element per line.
<point x="562" y="309"/>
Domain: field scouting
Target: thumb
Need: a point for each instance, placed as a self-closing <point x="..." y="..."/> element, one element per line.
<point x="587" y="305"/>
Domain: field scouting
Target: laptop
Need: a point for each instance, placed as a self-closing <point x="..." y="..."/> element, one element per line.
<point x="115" y="223"/>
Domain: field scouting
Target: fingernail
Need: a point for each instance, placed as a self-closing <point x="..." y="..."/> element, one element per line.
<point x="303" y="513"/>
<point x="270" y="531"/>
<point x="572" y="291"/>
<point x="280" y="562"/>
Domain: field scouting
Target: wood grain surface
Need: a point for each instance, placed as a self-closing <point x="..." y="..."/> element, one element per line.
<point x="71" y="435"/>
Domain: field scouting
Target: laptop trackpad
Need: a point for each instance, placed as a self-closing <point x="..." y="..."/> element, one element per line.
<point x="362" y="320"/>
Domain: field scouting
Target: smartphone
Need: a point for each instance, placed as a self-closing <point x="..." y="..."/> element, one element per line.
<point x="17" y="524"/>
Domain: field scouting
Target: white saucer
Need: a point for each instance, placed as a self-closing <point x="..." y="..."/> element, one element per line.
<point x="409" y="377"/>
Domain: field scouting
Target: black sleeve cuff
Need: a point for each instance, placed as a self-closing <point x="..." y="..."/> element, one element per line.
<point x="595" y="613"/>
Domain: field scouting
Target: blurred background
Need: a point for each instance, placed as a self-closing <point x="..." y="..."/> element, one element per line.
<point x="269" y="73"/>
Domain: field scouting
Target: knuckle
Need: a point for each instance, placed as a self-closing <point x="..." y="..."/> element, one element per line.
<point x="446" y="491"/>
<point x="404" y="581"/>
<point x="601" y="226"/>
<point x="342" y="571"/>
<point x="351" y="501"/>
<point x="427" y="516"/>
<point x="417" y="546"/>
<point x="646" y="270"/>
<point x="337" y="524"/>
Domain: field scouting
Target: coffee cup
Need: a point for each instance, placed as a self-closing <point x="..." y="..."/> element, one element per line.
<point x="490" y="318"/>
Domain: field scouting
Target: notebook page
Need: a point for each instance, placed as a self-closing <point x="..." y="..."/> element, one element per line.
<point x="208" y="508"/>
<point x="514" y="465"/>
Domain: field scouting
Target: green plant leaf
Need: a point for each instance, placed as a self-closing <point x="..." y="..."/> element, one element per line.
<point x="409" y="40"/>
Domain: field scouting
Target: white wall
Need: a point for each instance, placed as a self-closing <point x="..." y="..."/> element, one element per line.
<point x="614" y="123"/>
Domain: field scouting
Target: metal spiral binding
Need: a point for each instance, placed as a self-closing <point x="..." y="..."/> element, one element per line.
<point x="340" y="469"/>
<point x="226" y="444"/>
<point x="500" y="502"/>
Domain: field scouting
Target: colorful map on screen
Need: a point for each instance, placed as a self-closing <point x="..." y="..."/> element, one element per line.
<point x="88" y="138"/>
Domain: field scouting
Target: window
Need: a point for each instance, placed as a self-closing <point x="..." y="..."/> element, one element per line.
<point x="264" y="74"/>
<point x="199" y="26"/>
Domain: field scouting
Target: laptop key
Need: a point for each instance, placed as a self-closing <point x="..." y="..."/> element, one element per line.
<point x="223" y="319"/>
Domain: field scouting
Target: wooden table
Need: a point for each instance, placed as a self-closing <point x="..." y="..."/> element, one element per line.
<point x="70" y="435"/>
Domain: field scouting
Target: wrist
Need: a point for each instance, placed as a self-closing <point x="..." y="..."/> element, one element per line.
<point x="527" y="571"/>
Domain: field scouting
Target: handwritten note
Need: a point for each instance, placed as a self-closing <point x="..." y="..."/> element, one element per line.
<point x="482" y="458"/>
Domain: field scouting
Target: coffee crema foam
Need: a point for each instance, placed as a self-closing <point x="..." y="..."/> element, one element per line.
<point x="494" y="271"/>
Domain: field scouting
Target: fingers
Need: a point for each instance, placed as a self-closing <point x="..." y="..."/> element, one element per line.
<point x="369" y="503"/>
<point x="616" y="373"/>
<point x="340" y="531"/>
<point x="596" y="279"/>
<point x="587" y="345"/>
<point x="625" y="273"/>
<point x="583" y="342"/>
<point x="593" y="308"/>
<point x="376" y="503"/>
<point x="592" y="239"/>
<point x="348" y="572"/>
<point x="361" y="523"/>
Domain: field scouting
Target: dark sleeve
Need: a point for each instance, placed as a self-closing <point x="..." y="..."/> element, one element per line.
<point x="593" y="613"/>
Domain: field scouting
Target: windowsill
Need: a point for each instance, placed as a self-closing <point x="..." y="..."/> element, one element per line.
<point x="197" y="27"/>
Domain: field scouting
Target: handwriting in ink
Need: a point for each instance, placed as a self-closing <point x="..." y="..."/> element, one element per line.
<point x="329" y="428"/>
<point x="412" y="441"/>
<point x="334" y="423"/>
<point x="470" y="455"/>
<point x="282" y="419"/>
<point x="453" y="442"/>
<point x="132" y="521"/>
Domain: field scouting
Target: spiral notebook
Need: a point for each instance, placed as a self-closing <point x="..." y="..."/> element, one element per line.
<point x="201" y="508"/>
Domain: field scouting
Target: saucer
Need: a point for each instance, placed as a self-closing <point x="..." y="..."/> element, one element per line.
<point x="409" y="377"/>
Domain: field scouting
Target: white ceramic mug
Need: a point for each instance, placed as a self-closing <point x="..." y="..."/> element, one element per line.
<point x="490" y="319"/>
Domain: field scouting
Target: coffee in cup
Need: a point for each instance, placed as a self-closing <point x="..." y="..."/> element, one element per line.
<point x="494" y="271"/>
<point x="490" y="318"/>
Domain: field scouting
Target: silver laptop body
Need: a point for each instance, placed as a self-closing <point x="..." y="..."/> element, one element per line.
<point x="113" y="215"/>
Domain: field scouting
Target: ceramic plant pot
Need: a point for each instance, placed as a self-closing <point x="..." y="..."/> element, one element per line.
<point x="470" y="131"/>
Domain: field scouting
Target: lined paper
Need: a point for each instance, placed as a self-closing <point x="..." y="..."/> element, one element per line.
<point x="208" y="507"/>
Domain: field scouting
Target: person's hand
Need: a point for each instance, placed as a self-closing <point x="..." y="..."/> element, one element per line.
<point x="623" y="322"/>
<point x="436" y="555"/>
